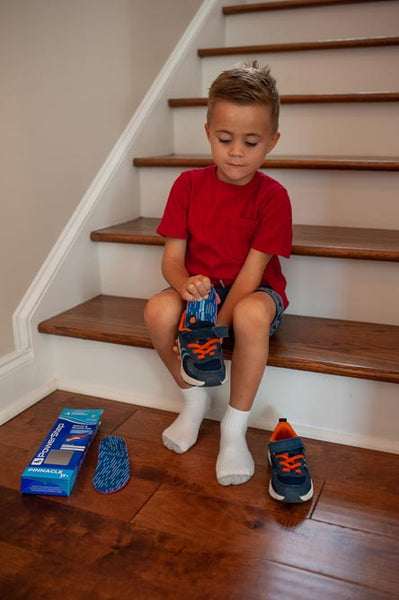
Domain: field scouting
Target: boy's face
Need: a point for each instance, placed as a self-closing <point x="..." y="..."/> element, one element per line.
<point x="240" y="137"/>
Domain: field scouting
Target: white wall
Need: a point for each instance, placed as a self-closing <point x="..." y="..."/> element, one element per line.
<point x="72" y="74"/>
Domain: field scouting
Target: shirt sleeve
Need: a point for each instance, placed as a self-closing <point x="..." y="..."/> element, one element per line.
<point x="174" y="221"/>
<point x="273" y="234"/>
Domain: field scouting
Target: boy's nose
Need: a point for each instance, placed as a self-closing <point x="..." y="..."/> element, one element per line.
<point x="236" y="150"/>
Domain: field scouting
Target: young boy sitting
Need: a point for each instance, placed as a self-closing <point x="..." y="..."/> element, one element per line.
<point x="225" y="226"/>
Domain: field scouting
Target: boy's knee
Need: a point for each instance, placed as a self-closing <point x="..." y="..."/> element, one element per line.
<point x="161" y="310"/>
<point x="155" y="310"/>
<point x="253" y="314"/>
<point x="150" y="310"/>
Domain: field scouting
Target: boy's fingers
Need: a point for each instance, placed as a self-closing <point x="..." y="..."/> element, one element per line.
<point x="176" y="349"/>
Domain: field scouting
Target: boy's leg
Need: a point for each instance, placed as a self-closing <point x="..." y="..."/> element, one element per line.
<point x="162" y="315"/>
<point x="251" y="321"/>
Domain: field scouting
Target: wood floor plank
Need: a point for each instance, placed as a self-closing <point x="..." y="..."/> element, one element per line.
<point x="348" y="348"/>
<point x="366" y="507"/>
<point x="358" y="466"/>
<point x="16" y="450"/>
<point x="355" y="556"/>
<point x="29" y="428"/>
<point x="309" y="240"/>
<point x="123" y="505"/>
<point x="13" y="462"/>
<point x="17" y="560"/>
<point x="108" y="559"/>
<point x="189" y="538"/>
<point x="195" y="469"/>
<point x="76" y="544"/>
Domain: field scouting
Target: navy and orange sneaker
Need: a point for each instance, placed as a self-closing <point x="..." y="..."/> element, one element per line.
<point x="289" y="479"/>
<point x="199" y="345"/>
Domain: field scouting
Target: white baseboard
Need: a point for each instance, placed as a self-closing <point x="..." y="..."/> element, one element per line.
<point x="15" y="360"/>
<point x="9" y="411"/>
<point x="258" y="420"/>
<point x="130" y="397"/>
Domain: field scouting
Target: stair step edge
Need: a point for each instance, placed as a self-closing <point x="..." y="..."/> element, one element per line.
<point x="309" y="240"/>
<point x="278" y="162"/>
<point x="332" y="346"/>
<point x="238" y="9"/>
<point x="355" y="97"/>
<point x="333" y="44"/>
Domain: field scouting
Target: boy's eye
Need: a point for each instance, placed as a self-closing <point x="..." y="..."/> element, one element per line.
<point x="224" y="140"/>
<point x="251" y="144"/>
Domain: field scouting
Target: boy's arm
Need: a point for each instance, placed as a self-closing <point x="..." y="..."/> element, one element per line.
<point x="175" y="273"/>
<point x="248" y="279"/>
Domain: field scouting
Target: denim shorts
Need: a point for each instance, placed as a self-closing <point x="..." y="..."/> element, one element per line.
<point x="223" y="291"/>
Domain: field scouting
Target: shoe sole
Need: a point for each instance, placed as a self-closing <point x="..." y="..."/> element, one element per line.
<point x="294" y="500"/>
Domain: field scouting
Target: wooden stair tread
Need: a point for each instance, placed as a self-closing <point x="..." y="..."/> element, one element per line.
<point x="304" y="99"/>
<point x="239" y="9"/>
<point x="309" y="240"/>
<point x="347" y="348"/>
<point x="278" y="162"/>
<point x="334" y="44"/>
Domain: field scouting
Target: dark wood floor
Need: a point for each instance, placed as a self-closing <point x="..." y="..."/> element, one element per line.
<point x="173" y="532"/>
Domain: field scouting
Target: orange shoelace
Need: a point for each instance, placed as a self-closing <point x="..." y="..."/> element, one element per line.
<point x="203" y="350"/>
<point x="290" y="463"/>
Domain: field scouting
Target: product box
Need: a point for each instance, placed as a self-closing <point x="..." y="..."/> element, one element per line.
<point x="54" y="467"/>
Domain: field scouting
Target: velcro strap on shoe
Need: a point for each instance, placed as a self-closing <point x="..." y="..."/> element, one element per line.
<point x="221" y="331"/>
<point x="203" y="333"/>
<point x="287" y="445"/>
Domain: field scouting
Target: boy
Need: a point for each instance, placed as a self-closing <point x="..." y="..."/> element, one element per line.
<point x="224" y="227"/>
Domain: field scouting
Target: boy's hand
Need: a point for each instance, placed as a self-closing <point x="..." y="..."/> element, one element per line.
<point x="195" y="288"/>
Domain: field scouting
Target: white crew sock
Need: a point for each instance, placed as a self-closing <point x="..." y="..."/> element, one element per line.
<point x="183" y="432"/>
<point x="234" y="464"/>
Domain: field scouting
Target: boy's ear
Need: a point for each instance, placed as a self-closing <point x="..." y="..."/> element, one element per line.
<point x="207" y="130"/>
<point x="273" y="142"/>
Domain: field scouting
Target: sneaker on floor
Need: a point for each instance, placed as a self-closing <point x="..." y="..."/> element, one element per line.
<point x="289" y="479"/>
<point x="199" y="345"/>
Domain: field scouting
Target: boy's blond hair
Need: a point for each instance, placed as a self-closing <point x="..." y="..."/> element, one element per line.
<point x="246" y="84"/>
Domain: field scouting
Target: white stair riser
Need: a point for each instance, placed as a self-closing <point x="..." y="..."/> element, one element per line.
<point x="319" y="197"/>
<point x="332" y="408"/>
<point x="316" y="23"/>
<point x="155" y="185"/>
<point x="357" y="290"/>
<point x="321" y="287"/>
<point x="319" y="71"/>
<point x="319" y="129"/>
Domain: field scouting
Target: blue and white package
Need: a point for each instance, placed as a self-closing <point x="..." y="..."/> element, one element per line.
<point x="202" y="313"/>
<point x="56" y="464"/>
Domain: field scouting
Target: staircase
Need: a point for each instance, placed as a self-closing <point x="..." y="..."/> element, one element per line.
<point x="335" y="360"/>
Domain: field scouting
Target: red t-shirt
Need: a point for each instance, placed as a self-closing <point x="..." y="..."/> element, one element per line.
<point x="222" y="221"/>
